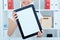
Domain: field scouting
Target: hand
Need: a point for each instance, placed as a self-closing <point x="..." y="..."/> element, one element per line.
<point x="40" y="34"/>
<point x="14" y="16"/>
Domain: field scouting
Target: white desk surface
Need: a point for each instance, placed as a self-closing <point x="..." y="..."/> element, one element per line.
<point x="33" y="38"/>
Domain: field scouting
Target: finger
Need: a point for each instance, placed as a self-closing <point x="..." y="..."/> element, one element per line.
<point x="15" y="17"/>
<point x="39" y="34"/>
<point x="42" y="31"/>
<point x="14" y="14"/>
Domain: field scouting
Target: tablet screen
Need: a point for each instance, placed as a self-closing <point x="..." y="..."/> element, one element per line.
<point x="28" y="21"/>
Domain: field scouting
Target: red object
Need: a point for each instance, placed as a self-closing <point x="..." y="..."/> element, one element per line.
<point x="47" y="4"/>
<point x="10" y="4"/>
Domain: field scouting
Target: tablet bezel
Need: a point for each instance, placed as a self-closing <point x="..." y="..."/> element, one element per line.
<point x="21" y="31"/>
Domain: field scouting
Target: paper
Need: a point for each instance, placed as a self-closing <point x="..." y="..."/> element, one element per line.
<point x="46" y="22"/>
<point x="28" y="21"/>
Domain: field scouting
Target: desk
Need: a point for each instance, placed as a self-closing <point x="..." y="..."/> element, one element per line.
<point x="33" y="38"/>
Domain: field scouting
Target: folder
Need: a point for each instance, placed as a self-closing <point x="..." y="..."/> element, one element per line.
<point x="10" y="4"/>
<point x="47" y="4"/>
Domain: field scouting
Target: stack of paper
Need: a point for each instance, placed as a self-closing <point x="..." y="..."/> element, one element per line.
<point x="46" y="22"/>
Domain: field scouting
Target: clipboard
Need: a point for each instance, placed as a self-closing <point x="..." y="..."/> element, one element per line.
<point x="27" y="21"/>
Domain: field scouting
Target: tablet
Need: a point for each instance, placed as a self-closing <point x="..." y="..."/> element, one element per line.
<point x="27" y="21"/>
